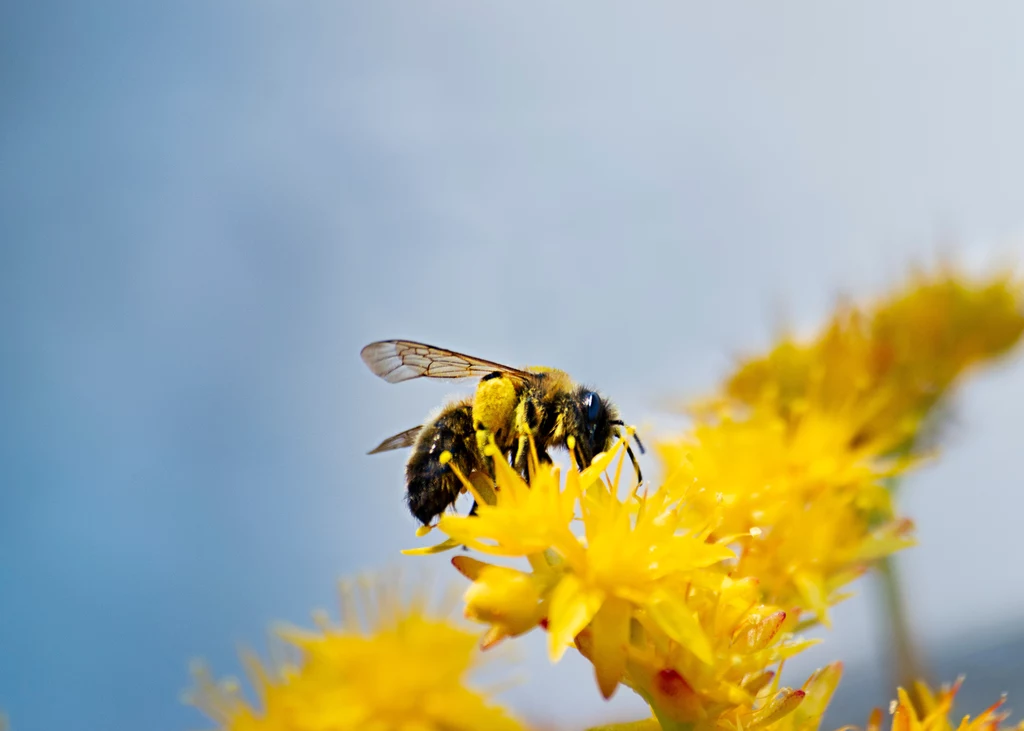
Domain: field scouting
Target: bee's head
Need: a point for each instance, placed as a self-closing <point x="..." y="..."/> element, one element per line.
<point x="594" y="428"/>
<point x="598" y="423"/>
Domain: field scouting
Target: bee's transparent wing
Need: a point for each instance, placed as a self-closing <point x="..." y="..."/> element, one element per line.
<point x="402" y="360"/>
<point x="399" y="441"/>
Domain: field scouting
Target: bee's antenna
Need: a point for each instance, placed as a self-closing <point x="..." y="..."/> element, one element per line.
<point x="636" y="437"/>
<point x="629" y="450"/>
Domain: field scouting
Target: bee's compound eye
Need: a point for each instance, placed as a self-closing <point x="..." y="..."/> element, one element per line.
<point x="592" y="402"/>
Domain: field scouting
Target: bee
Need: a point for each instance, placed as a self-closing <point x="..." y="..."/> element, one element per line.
<point x="510" y="407"/>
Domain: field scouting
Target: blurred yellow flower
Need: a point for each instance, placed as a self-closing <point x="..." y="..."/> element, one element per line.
<point x="401" y="669"/>
<point x="888" y="364"/>
<point x="647" y="724"/>
<point x="815" y="695"/>
<point x="793" y="456"/>
<point x="807" y="512"/>
<point x="932" y="713"/>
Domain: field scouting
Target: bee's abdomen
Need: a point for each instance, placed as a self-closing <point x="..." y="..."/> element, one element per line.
<point x="432" y="486"/>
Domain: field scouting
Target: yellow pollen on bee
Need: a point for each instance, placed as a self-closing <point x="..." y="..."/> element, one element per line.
<point x="571" y="442"/>
<point x="445" y="457"/>
<point x="493" y="404"/>
<point x="490" y="450"/>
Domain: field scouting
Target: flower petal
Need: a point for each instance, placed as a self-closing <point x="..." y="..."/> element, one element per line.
<point x="572" y="608"/>
<point x="469" y="567"/>
<point x="610" y="639"/>
<point x="505" y="597"/>
<point x="446" y="545"/>
<point x="756" y="632"/>
<point x="679" y="622"/>
<point x="784" y="703"/>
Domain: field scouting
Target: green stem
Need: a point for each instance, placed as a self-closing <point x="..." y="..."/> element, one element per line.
<point x="907" y="666"/>
<point x="667" y="724"/>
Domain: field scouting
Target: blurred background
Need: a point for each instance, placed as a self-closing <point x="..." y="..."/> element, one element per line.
<point x="207" y="209"/>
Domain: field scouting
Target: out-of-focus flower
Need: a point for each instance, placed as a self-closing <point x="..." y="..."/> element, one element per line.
<point x="400" y="669"/>
<point x="933" y="713"/>
<point x="647" y="724"/>
<point x="807" y="715"/>
<point x="807" y="512"/>
<point x="887" y="365"/>
<point x="794" y="454"/>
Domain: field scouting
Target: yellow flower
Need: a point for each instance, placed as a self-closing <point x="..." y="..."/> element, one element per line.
<point x="647" y="724"/>
<point x="525" y="520"/>
<point x="630" y="568"/>
<point x="807" y="512"/>
<point x="887" y="365"/>
<point x="793" y="456"/>
<point x="646" y="599"/>
<point x="630" y="561"/>
<point x="746" y="640"/>
<point x="401" y="669"/>
<point x="815" y="695"/>
<point x="941" y="326"/>
<point x="511" y="601"/>
<point x="771" y="708"/>
<point x="933" y="713"/>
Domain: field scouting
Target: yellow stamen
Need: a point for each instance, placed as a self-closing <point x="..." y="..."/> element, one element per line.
<point x="467" y="485"/>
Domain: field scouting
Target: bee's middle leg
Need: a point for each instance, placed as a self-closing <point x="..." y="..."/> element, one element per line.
<point x="523" y="456"/>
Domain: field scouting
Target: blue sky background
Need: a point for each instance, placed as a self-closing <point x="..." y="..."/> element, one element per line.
<point x="207" y="209"/>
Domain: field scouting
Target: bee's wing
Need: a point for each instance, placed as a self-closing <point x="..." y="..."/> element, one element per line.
<point x="399" y="441"/>
<point x="402" y="360"/>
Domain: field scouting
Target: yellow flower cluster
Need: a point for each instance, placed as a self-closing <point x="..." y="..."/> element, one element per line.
<point x="773" y="710"/>
<point x="807" y="512"/>
<point x="882" y="368"/>
<point x="648" y="601"/>
<point x="932" y="713"/>
<point x="795" y="453"/>
<point x="405" y="670"/>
